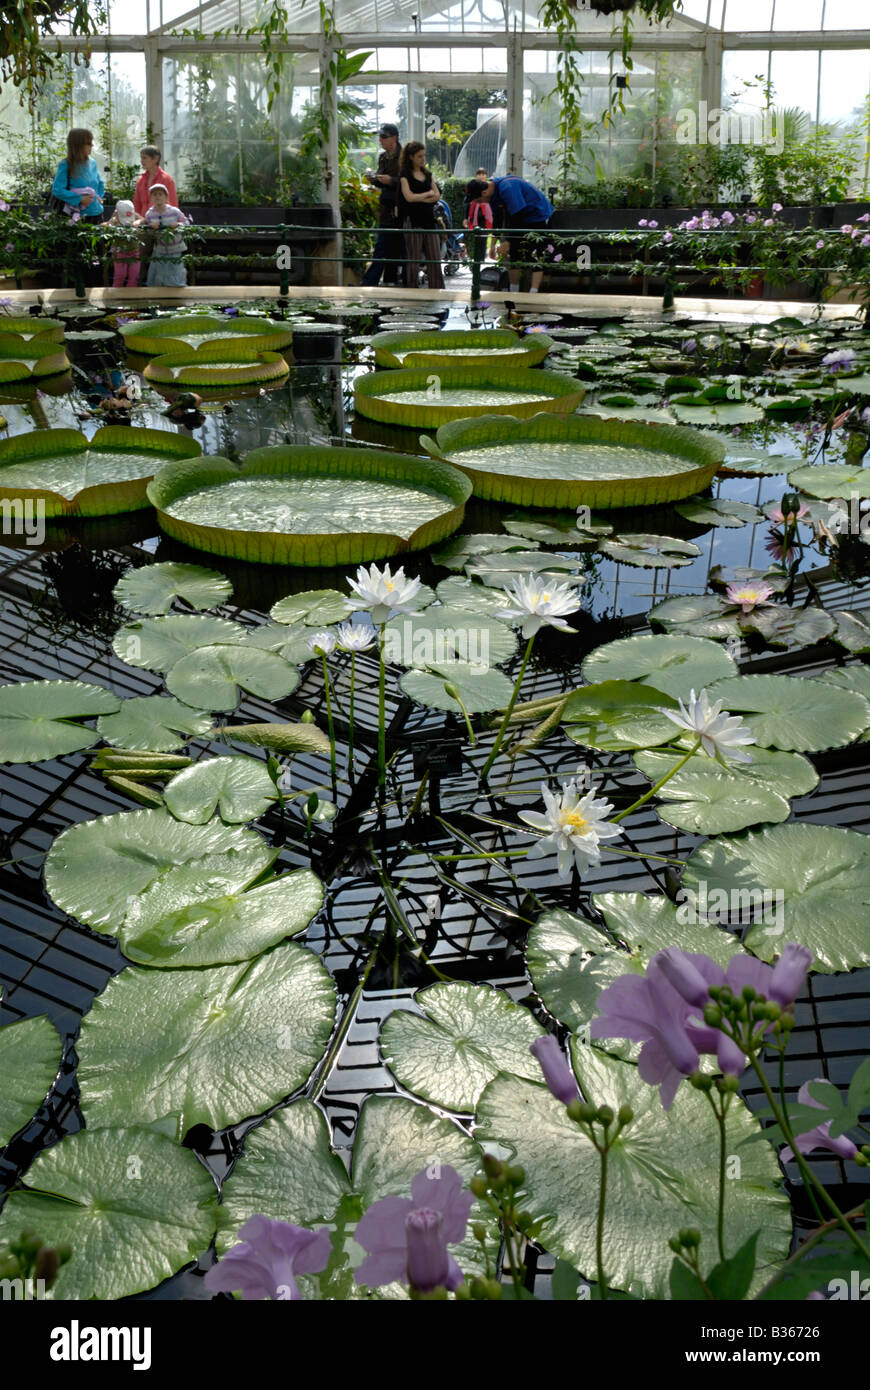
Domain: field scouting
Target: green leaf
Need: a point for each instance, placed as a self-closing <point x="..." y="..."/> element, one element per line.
<point x="153" y="723"/>
<point x="479" y="690"/>
<point x="216" y="364"/>
<point x="97" y="869"/>
<point x="820" y="876"/>
<point x="238" y="789"/>
<point x="684" y="1285"/>
<point x="314" y="608"/>
<point x="705" y="798"/>
<point x="723" y="413"/>
<point x="466" y="1035"/>
<point x="565" y="1283"/>
<point x="208" y="1046"/>
<point x="176" y="332"/>
<point x="481" y="347"/>
<point x="30" y="1055"/>
<point x="836" y="1272"/>
<point x="284" y="738"/>
<point x="469" y="596"/>
<point x="133" y="1206"/>
<point x="783" y="626"/>
<point x="830" y="480"/>
<point x="154" y="588"/>
<point x="650" y="552"/>
<point x="458" y="551"/>
<point x="210" y="676"/>
<point x="731" y="1279"/>
<point x="36" y="718"/>
<point x="853" y="631"/>
<point x="407" y="397"/>
<point x="208" y="914"/>
<point x="675" y="665"/>
<point x="698" y="615"/>
<point x="800" y="715"/>
<point x="857" y="1100"/>
<point x="662" y="1173"/>
<point x="718" y="511"/>
<point x="441" y="635"/>
<point x="158" y="643"/>
<point x="619" y="714"/>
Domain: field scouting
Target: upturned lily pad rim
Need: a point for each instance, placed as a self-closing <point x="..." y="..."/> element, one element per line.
<point x="431" y="347"/>
<point x="696" y="446"/>
<point x="250" y="364"/>
<point x="156" y="337"/>
<point x="21" y="361"/>
<point x="553" y="390"/>
<point x="294" y="460"/>
<point x="100" y="499"/>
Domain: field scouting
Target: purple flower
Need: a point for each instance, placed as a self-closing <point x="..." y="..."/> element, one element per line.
<point x="846" y="227"/>
<point x="840" y="358"/>
<point x="865" y="241"/>
<point x="550" y="250"/>
<point x="820" y="1137"/>
<point x="4" y="206"/>
<point x="750" y="218"/>
<point x="668" y="237"/>
<point x="407" y="1237"/>
<point x="776" y="207"/>
<point x="820" y="246"/>
<point x="727" y="218"/>
<point x="692" y="225"/>
<point x="768" y="222"/>
<point x="865" y="218"/>
<point x="690" y="346"/>
<point x="9" y="248"/>
<point x="558" y="258"/>
<point x="557" y="1074"/>
<point x="653" y="225"/>
<point x="273" y="1252"/>
<point x="643" y="222"/>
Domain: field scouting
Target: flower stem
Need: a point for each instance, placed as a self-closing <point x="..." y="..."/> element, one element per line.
<point x="382" y="716"/>
<point x="661" y="782"/>
<point x="720" y="1112"/>
<point x="509" y="711"/>
<point x="599" y="1222"/>
<point x="330" y="724"/>
<point x="351" y="713"/>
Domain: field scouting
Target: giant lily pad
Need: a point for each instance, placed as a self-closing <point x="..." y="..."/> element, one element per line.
<point x="477" y="347"/>
<point x="133" y="1207"/>
<point x="662" y="1174"/>
<point x="799" y="715"/>
<point x="819" y="874"/>
<point x="37" y="718"/>
<point x="465" y="1036"/>
<point x="216" y="365"/>
<point x="30" y="327"/>
<point x="97" y="869"/>
<point x="676" y="665"/>
<point x="153" y="723"/>
<point x="75" y="476"/>
<point x="425" y="397"/>
<point x="30" y="1054"/>
<point x="21" y="360"/>
<point x="705" y="798"/>
<point x="300" y="505"/>
<point x="569" y="461"/>
<point x="208" y="1046"/>
<point x="178" y="332"/>
<point x="154" y="588"/>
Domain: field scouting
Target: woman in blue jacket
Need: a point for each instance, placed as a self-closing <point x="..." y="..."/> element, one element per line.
<point x="78" y="182"/>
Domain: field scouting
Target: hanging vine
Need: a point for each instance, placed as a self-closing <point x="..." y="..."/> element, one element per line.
<point x="25" y="60"/>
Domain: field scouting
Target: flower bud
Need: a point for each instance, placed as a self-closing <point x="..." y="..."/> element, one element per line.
<point x="701" y="1081"/>
<point x="478" y="1287"/>
<point x="463" y="1293"/>
<point x="524" y="1220"/>
<point x="479" y="1186"/>
<point x="492" y="1166"/>
<point x="516" y="1174"/>
<point x="675" y="1245"/>
<point x="712" y="1015"/>
<point x="493" y="1290"/>
<point x="605" y="1115"/>
<point x="625" y="1115"/>
<point x="306" y="717"/>
<point x="690" y="1237"/>
<point x="478" y="1230"/>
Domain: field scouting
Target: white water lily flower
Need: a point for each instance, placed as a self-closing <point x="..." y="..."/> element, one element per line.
<point x="722" y="735"/>
<point x="573" y="825"/>
<point x="535" y="601"/>
<point x="355" y="637"/>
<point x="382" y="593"/>
<point x="322" y="643"/>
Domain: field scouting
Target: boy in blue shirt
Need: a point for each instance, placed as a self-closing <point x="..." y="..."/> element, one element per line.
<point x="520" y="209"/>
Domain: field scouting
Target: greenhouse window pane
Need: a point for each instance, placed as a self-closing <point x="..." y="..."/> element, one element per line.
<point x="846" y="14"/>
<point x="128" y="16"/>
<point x="748" y="16"/>
<point x="717" y="11"/>
<point x="795" y="77"/>
<point x="431" y="60"/>
<point x="467" y="60"/>
<point x="495" y="60"/>
<point x="798" y="14"/>
<point x="696" y="9"/>
<point x="845" y="84"/>
<point x="739" y="68"/>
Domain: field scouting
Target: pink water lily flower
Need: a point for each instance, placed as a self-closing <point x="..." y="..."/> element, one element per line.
<point x="407" y="1237"/>
<point x="775" y="513"/>
<point x="749" y="596"/>
<point x="820" y="1137"/>
<point x="271" y="1254"/>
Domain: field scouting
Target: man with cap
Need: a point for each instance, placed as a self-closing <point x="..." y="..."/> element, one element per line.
<point x="389" y="251"/>
<point x="521" y="210"/>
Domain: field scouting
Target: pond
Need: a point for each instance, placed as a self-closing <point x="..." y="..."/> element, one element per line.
<point x="382" y="835"/>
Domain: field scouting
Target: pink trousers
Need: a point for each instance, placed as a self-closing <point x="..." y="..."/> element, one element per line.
<point x="126" y="273"/>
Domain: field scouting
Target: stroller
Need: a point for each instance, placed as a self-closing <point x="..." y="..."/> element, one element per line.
<point x="453" y="251"/>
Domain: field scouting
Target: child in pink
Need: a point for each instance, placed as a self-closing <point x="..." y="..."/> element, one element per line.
<point x="126" y="259"/>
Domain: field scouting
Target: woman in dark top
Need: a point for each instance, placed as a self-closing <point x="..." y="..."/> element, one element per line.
<point x="418" y="194"/>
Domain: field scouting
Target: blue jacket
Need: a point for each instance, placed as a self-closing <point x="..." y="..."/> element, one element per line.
<point x="88" y="176"/>
<point x="519" y="196"/>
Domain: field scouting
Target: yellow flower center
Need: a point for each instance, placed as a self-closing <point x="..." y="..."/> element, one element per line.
<point x="574" y="821"/>
<point x="390" y="585"/>
<point x="545" y="598"/>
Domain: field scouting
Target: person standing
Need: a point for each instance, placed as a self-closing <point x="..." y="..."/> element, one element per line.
<point x="149" y="158"/>
<point x="126" y="255"/>
<point x="166" y="266"/>
<point x="388" y="250"/>
<point x="418" y="194"/>
<point x="78" y="183"/>
<point x="521" y="210"/>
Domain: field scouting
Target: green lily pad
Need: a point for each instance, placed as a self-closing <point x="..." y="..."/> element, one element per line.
<point x="479" y="690"/>
<point x="441" y="635"/>
<point x="458" y="551"/>
<point x="209" y="1046"/>
<point x="662" y="1174"/>
<point x="153" y="723"/>
<point x="783" y="626"/>
<point x="467" y="1034"/>
<point x="469" y="596"/>
<point x="619" y="715"/>
<point x="314" y="608"/>
<point x="853" y="631"/>
<point x="210" y="677"/>
<point x="798" y="715"/>
<point x="822" y="874"/>
<point x="650" y="552"/>
<point x="830" y="480"/>
<point x="97" y="869"/>
<point x="158" y="643"/>
<point x="154" y="588"/>
<point x="697" y="615"/>
<point x="208" y="914"/>
<point x="718" y="511"/>
<point x="709" y="799"/>
<point x="37" y="718"/>
<point x="724" y="413"/>
<point x="676" y="665"/>
<point x="237" y="788"/>
<point x="30" y="1055"/>
<point x="133" y="1207"/>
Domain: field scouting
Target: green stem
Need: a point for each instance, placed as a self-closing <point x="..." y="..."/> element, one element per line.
<point x="720" y="1114"/>
<point x="809" y="1244"/>
<point x="509" y="711"/>
<point x="661" y="782"/>
<point x="351" y="712"/>
<point x="382" y="713"/>
<point x="806" y="1173"/>
<point x="330" y="724"/>
<point x="599" y="1222"/>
